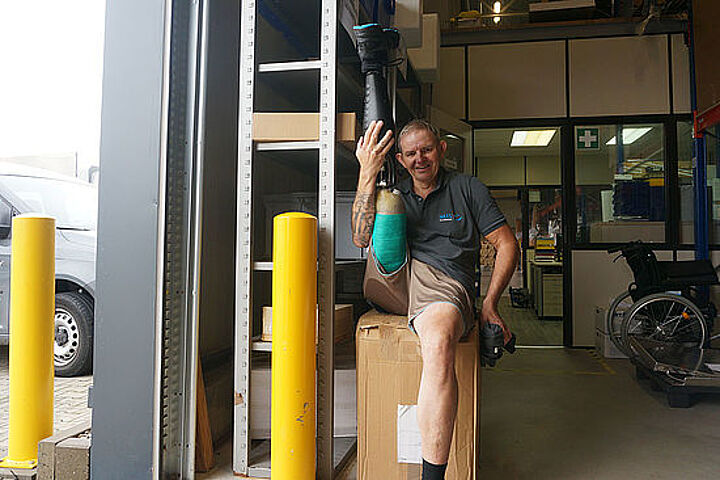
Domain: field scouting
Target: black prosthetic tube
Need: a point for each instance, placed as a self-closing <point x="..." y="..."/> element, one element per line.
<point x="374" y="44"/>
<point x="377" y="104"/>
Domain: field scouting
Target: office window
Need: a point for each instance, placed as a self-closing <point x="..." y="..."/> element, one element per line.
<point x="508" y="157"/>
<point x="620" y="183"/>
<point x="685" y="180"/>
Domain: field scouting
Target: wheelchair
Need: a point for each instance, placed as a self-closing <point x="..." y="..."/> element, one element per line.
<point x="663" y="309"/>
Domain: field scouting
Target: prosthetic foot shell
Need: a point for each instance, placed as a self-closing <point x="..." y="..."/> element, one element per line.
<point x="374" y="45"/>
<point x="492" y="344"/>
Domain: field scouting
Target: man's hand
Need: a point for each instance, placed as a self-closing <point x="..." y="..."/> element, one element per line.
<point x="505" y="262"/>
<point x="370" y="152"/>
<point x="371" y="155"/>
<point x="490" y="314"/>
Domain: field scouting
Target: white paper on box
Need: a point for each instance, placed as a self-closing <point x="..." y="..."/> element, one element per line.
<point x="409" y="448"/>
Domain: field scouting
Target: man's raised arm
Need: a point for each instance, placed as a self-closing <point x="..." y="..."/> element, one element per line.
<point x="370" y="154"/>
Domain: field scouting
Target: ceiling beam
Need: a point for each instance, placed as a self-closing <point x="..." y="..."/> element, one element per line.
<point x="561" y="30"/>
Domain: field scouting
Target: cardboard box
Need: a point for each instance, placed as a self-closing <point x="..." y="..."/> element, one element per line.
<point x="603" y="345"/>
<point x="300" y="127"/>
<point x="343" y="323"/>
<point x="389" y="366"/>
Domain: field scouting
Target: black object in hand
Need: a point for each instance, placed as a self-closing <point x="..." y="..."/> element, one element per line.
<point x="492" y="344"/>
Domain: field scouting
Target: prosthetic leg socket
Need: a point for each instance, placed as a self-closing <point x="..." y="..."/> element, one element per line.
<point x="389" y="233"/>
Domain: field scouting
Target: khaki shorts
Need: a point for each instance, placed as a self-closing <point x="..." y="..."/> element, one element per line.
<point x="413" y="288"/>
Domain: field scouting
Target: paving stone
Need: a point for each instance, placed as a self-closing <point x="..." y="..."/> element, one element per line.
<point x="70" y="401"/>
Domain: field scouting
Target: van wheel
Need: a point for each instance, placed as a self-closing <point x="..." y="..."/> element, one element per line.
<point x="73" y="335"/>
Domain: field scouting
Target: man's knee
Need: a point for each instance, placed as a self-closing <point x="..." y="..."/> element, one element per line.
<point x="438" y="351"/>
<point x="439" y="330"/>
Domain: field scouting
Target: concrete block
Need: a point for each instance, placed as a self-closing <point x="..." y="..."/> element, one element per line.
<point x="72" y="459"/>
<point x="47" y="449"/>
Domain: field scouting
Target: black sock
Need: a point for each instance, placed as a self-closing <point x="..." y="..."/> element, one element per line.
<point x="432" y="471"/>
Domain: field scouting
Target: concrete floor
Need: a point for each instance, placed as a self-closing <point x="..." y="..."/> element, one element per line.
<point x="562" y="414"/>
<point x="567" y="414"/>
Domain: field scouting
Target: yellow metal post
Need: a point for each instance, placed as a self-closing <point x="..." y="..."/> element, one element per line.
<point x="294" y="298"/>
<point x="32" y="312"/>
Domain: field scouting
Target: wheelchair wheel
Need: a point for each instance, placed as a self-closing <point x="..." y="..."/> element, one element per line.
<point x="614" y="317"/>
<point x="666" y="321"/>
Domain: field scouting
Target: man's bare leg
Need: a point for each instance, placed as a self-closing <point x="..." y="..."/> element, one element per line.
<point x="439" y="328"/>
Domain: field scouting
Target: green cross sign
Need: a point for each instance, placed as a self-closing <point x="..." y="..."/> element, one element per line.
<point x="587" y="138"/>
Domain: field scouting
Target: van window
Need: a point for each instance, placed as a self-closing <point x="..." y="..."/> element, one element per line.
<point x="5" y="214"/>
<point x="72" y="204"/>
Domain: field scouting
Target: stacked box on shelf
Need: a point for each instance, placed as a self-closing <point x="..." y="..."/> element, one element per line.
<point x="632" y="199"/>
<point x="656" y="199"/>
<point x="603" y="345"/>
<point x="544" y="249"/>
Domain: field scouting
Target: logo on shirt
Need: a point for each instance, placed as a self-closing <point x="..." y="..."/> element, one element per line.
<point x="449" y="217"/>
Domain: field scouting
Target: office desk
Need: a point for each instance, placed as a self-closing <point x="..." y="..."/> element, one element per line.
<point x="546" y="285"/>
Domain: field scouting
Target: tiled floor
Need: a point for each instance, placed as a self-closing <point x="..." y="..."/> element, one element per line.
<point x="530" y="330"/>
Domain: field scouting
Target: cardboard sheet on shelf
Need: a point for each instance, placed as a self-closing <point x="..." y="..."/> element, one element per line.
<point x="301" y="127"/>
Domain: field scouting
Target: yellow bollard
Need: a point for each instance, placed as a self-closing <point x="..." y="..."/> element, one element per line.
<point x="294" y="298"/>
<point x="32" y="313"/>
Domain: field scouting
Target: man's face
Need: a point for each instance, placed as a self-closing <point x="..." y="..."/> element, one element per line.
<point x="421" y="155"/>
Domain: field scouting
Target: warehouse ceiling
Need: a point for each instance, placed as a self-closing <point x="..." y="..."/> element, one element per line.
<point x="495" y="21"/>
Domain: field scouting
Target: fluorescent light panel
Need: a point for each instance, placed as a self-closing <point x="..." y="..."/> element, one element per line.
<point x="532" y="138"/>
<point x="630" y="135"/>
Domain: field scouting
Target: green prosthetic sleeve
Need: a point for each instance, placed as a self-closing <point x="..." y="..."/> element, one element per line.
<point x="389" y="240"/>
<point x="389" y="237"/>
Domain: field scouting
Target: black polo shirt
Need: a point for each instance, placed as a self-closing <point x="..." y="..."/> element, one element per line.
<point x="444" y="229"/>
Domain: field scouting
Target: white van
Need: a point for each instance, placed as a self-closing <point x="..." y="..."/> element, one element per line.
<point x="73" y="204"/>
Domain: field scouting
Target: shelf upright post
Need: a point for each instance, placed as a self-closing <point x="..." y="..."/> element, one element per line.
<point x="243" y="249"/>
<point x="701" y="224"/>
<point x="326" y="238"/>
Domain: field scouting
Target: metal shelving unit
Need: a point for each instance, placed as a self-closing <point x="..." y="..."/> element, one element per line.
<point x="252" y="458"/>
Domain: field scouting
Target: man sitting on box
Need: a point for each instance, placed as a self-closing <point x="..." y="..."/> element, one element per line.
<point x="446" y="214"/>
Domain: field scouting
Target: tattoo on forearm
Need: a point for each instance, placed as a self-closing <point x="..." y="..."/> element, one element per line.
<point x="363" y="218"/>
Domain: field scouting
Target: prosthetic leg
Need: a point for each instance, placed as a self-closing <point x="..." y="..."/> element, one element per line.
<point x="388" y="238"/>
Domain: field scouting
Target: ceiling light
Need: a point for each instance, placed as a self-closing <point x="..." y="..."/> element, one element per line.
<point x="532" y="138"/>
<point x="496" y="7"/>
<point x="630" y="135"/>
<point x="496" y="19"/>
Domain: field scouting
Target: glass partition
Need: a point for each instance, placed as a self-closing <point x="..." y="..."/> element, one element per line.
<point x="620" y="185"/>
<point x="522" y="168"/>
<point x="685" y="180"/>
<point x="518" y="156"/>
